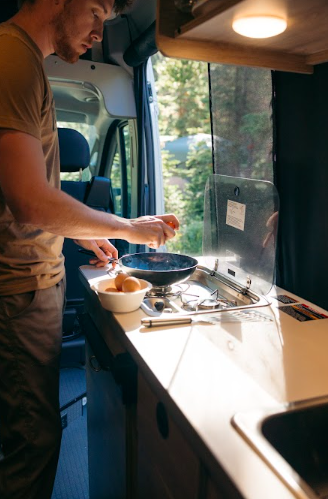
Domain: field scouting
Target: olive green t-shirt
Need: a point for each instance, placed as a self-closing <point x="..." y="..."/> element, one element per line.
<point x="30" y="258"/>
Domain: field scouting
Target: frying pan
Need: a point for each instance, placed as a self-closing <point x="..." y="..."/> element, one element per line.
<point x="160" y="269"/>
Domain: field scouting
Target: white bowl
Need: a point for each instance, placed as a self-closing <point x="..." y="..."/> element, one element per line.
<point x="119" y="301"/>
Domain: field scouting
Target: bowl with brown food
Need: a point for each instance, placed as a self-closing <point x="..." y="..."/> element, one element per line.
<point x="121" y="294"/>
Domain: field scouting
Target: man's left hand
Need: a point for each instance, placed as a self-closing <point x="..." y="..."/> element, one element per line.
<point x="102" y="249"/>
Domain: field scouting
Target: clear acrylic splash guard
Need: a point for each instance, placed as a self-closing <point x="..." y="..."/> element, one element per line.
<point x="240" y="230"/>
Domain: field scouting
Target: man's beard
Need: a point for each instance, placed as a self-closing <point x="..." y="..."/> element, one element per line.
<point x="63" y="38"/>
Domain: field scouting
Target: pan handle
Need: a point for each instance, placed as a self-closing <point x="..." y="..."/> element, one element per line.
<point x="91" y="253"/>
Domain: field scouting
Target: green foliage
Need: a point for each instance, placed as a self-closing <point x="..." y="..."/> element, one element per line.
<point x="241" y="107"/>
<point x="188" y="240"/>
<point x="187" y="203"/>
<point x="183" y="97"/>
<point x="242" y="128"/>
<point x="196" y="172"/>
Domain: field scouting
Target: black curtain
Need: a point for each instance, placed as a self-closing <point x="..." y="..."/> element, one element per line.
<point x="301" y="147"/>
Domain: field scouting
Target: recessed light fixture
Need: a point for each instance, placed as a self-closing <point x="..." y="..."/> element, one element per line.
<point x="259" y="26"/>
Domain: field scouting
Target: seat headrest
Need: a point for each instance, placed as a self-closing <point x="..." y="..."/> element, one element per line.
<point x="8" y="8"/>
<point x="74" y="150"/>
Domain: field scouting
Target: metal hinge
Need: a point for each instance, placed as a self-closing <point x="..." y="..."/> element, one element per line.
<point x="248" y="285"/>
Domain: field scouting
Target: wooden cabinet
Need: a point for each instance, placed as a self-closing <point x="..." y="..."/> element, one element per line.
<point x="168" y="468"/>
<point x="209" y="37"/>
<point x="137" y="449"/>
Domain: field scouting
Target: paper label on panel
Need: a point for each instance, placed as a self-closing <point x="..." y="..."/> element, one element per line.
<point x="236" y="213"/>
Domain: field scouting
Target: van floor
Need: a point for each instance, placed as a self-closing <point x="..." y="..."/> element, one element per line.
<point x="72" y="473"/>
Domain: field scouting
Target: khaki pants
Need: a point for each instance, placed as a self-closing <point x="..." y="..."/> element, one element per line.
<point x="30" y="426"/>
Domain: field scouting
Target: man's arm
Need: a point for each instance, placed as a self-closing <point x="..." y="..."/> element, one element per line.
<point x="33" y="201"/>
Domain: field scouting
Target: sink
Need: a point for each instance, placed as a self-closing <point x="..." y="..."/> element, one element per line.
<point x="293" y="440"/>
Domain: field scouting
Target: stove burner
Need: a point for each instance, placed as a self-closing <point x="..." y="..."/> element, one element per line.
<point x="160" y="291"/>
<point x="167" y="291"/>
<point x="207" y="304"/>
<point x="184" y="298"/>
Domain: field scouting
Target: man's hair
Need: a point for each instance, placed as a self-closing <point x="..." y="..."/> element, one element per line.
<point x="20" y="2"/>
<point x="119" y="5"/>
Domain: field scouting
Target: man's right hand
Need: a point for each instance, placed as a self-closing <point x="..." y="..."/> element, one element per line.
<point x="153" y="231"/>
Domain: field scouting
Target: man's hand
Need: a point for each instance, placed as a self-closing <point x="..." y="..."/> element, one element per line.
<point x="170" y="219"/>
<point x="153" y="231"/>
<point x="102" y="249"/>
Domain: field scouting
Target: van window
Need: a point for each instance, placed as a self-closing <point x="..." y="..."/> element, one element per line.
<point x="242" y="130"/>
<point x="185" y="135"/>
<point x="242" y="121"/>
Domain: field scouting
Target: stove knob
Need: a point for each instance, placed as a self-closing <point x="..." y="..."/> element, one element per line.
<point x="159" y="305"/>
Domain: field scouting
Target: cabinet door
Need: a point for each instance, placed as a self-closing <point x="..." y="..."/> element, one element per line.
<point x="106" y="435"/>
<point x="167" y="466"/>
<point x="213" y="492"/>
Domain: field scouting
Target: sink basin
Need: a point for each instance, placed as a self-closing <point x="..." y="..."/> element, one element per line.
<point x="293" y="441"/>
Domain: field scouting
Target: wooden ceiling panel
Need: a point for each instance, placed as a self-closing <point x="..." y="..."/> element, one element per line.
<point x="305" y="41"/>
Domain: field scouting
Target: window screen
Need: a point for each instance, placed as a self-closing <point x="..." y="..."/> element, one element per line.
<point x="241" y="114"/>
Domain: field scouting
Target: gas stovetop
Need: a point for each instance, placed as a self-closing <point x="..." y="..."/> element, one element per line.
<point x="205" y="291"/>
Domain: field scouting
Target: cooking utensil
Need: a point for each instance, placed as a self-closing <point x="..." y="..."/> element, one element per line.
<point x="235" y="315"/>
<point x="160" y="269"/>
<point x="175" y="321"/>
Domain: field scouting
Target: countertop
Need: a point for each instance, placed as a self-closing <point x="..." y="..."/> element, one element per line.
<point x="210" y="373"/>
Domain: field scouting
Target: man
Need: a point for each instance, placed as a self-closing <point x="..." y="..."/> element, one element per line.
<point x="34" y="217"/>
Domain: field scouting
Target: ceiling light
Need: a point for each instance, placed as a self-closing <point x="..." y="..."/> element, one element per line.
<point x="259" y="26"/>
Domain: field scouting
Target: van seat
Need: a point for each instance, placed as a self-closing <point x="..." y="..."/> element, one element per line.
<point x="96" y="193"/>
<point x="99" y="194"/>
<point x="74" y="157"/>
